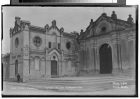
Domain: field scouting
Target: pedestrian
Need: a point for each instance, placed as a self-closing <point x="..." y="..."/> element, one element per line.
<point x="18" y="78"/>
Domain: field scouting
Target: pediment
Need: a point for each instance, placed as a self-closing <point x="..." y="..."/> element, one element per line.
<point x="103" y="18"/>
<point x="54" y="54"/>
<point x="104" y="25"/>
<point x="54" y="31"/>
<point x="117" y="23"/>
<point x="54" y="51"/>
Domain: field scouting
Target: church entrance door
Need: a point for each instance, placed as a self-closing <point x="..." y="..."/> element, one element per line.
<point x="105" y="59"/>
<point x="53" y="68"/>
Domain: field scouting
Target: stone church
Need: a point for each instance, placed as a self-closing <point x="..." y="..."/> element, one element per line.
<point x="107" y="46"/>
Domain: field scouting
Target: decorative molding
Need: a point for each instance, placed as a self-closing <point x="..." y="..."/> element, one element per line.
<point x="37" y="52"/>
<point x="54" y="50"/>
<point x="37" y="29"/>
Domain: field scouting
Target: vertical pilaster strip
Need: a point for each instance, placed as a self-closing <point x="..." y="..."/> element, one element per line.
<point x="119" y="56"/>
<point x="115" y="57"/>
<point x="94" y="56"/>
<point x="26" y="52"/>
<point x="96" y="60"/>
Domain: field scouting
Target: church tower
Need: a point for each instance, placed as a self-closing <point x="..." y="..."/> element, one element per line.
<point x="19" y="49"/>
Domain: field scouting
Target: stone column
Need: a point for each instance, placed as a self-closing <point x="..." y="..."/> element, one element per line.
<point x="97" y="60"/>
<point x="131" y="55"/>
<point x="26" y="68"/>
<point x="119" y="56"/>
<point x="115" y="57"/>
<point x="48" y="68"/>
<point x="87" y="60"/>
<point x="59" y="68"/>
<point x="62" y="64"/>
<point x="94" y="59"/>
<point x="81" y="60"/>
<point x="124" y="53"/>
<point x="63" y="68"/>
<point x="91" y="59"/>
<point x="43" y="67"/>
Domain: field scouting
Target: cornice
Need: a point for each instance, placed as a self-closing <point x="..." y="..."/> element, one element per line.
<point x="37" y="52"/>
<point x="37" y="29"/>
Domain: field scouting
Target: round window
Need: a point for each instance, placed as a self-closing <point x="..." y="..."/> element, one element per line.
<point x="103" y="29"/>
<point x="68" y="45"/>
<point x="16" y="42"/>
<point x="37" y="41"/>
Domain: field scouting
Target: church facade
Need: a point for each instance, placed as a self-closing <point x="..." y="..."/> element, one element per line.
<point x="107" y="46"/>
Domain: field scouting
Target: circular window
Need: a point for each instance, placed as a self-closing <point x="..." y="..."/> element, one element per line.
<point x="68" y="45"/>
<point x="103" y="29"/>
<point x="37" y="41"/>
<point x="16" y="42"/>
<point x="53" y="57"/>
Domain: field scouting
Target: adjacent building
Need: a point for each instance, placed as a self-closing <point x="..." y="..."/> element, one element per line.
<point x="5" y="64"/>
<point x="108" y="45"/>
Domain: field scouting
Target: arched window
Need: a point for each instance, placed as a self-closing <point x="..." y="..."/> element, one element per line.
<point x="58" y="45"/>
<point x="68" y="45"/>
<point x="16" y="42"/>
<point x="49" y="44"/>
<point x="37" y="41"/>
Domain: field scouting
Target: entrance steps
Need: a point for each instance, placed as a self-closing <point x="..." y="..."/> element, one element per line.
<point x="99" y="78"/>
<point x="77" y="84"/>
<point x="80" y="84"/>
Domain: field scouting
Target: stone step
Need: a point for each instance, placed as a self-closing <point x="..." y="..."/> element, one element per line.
<point x="80" y="80"/>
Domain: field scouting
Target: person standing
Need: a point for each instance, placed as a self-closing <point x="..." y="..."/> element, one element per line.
<point x="18" y="78"/>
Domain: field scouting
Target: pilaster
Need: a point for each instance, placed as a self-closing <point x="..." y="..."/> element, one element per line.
<point x="97" y="60"/>
<point x="26" y="65"/>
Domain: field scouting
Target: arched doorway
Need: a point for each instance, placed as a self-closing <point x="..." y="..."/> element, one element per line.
<point x="54" y="63"/>
<point x="16" y="67"/>
<point x="105" y="59"/>
<point x="53" y="68"/>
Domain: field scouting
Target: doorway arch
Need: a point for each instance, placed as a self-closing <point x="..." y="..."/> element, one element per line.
<point x="54" y="65"/>
<point x="54" y="68"/>
<point x="105" y="59"/>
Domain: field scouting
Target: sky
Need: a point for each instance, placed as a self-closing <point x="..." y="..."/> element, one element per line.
<point x="70" y="18"/>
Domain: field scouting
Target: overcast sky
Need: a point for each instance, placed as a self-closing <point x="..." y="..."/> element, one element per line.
<point x="70" y="18"/>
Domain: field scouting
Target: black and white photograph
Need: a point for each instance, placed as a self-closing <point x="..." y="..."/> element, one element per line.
<point x="60" y="50"/>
